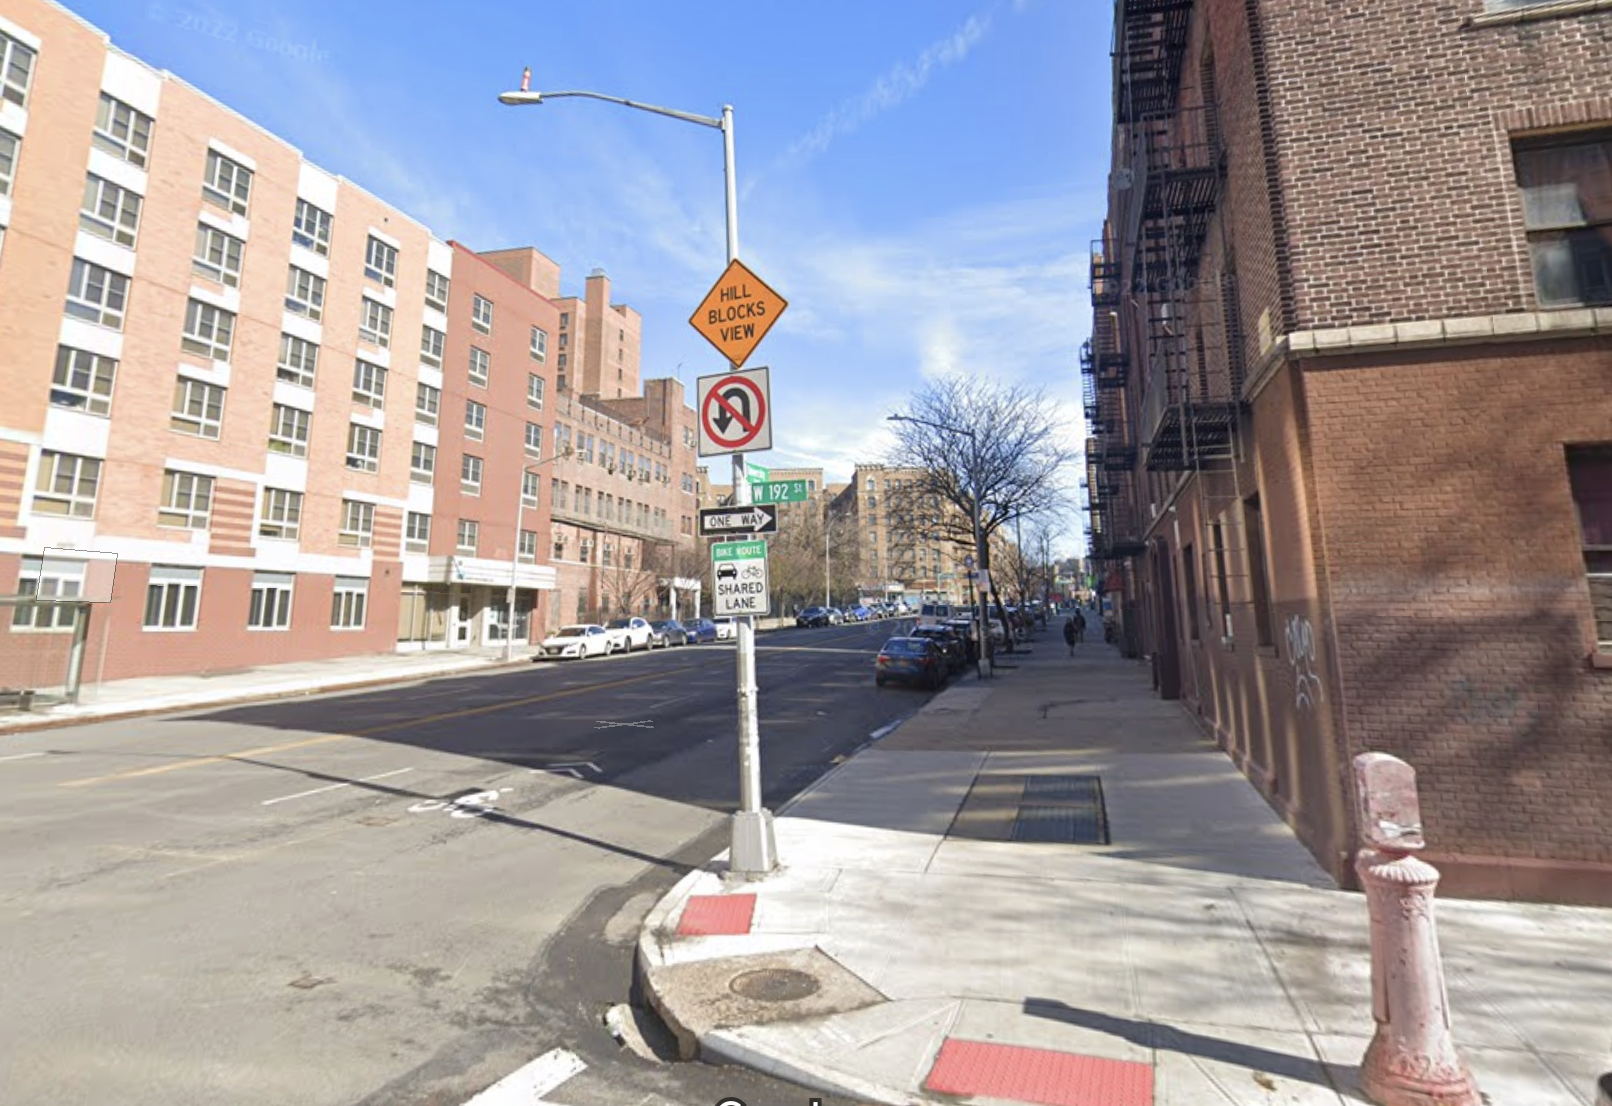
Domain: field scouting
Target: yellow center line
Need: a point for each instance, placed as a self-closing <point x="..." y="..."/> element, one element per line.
<point x="371" y="731"/>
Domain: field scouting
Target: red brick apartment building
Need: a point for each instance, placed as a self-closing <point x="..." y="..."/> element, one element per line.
<point x="210" y="369"/>
<point x="1350" y="389"/>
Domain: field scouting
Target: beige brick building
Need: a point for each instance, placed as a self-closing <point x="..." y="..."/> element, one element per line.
<point x="1351" y="472"/>
<point x="208" y="351"/>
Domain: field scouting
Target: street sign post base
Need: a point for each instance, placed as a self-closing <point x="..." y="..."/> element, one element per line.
<point x="754" y="850"/>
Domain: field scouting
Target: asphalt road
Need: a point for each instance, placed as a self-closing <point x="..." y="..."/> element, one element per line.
<point x="393" y="898"/>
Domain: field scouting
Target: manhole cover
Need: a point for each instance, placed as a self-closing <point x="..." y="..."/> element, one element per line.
<point x="775" y="985"/>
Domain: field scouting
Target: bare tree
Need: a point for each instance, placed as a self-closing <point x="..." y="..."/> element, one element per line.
<point x="626" y="588"/>
<point x="979" y="440"/>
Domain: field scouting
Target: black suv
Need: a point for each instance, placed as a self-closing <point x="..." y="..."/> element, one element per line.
<point x="812" y="616"/>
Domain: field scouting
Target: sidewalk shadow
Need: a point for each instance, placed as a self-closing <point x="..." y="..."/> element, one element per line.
<point x="1338" y="1078"/>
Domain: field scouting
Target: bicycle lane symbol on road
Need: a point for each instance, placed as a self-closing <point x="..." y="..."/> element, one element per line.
<point x="476" y="804"/>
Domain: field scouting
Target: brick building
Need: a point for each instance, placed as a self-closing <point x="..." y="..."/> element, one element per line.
<point x="207" y="349"/>
<point x="1350" y="389"/>
<point x="904" y="538"/>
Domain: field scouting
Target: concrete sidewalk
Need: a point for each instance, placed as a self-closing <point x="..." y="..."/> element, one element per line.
<point x="910" y="949"/>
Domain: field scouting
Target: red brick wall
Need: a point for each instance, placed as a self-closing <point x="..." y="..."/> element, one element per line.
<point x="1392" y="120"/>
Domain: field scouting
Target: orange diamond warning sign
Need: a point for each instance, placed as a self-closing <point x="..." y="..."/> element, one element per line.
<point x="737" y="313"/>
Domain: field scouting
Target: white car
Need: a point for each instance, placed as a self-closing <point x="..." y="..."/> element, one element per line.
<point x="726" y="628"/>
<point x="585" y="639"/>
<point x="628" y="635"/>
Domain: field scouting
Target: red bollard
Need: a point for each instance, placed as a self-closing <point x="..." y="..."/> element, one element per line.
<point x="1412" y="1059"/>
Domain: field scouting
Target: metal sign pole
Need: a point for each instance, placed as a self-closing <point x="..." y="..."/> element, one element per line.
<point x="753" y="849"/>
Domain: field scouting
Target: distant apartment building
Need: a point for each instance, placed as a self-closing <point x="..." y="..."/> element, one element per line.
<point x="208" y="353"/>
<point x="907" y="542"/>
<point x="1348" y="385"/>
<point x="599" y="343"/>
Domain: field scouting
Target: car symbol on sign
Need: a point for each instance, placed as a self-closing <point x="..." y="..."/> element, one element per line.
<point x="727" y="571"/>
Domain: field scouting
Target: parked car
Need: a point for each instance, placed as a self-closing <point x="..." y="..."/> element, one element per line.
<point x="936" y="614"/>
<point x="583" y="640"/>
<point x="950" y="642"/>
<point x="666" y="633"/>
<point x="628" y="635"/>
<point x="726" y="628"/>
<point x="812" y="616"/>
<point x="699" y="629"/>
<point x="860" y="613"/>
<point x="835" y="616"/>
<point x="912" y="660"/>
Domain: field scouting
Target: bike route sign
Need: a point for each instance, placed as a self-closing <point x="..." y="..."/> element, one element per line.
<point x="741" y="577"/>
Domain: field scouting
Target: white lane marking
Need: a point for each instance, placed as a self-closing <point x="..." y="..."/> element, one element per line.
<point x="526" y="1086"/>
<point x="333" y="787"/>
<point x="21" y="756"/>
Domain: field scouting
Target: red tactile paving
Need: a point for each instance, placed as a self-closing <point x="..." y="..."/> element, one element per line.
<point x="1038" y="1075"/>
<point x="717" y="915"/>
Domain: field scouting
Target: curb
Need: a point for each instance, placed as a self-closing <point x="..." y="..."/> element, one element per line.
<point x="645" y="967"/>
<point x="721" y="1046"/>
<point x="263" y="696"/>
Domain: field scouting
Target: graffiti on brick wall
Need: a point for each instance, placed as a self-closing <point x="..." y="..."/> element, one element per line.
<point x="1475" y="704"/>
<point x="1301" y="654"/>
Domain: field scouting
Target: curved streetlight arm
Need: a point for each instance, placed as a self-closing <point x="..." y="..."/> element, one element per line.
<point x="538" y="97"/>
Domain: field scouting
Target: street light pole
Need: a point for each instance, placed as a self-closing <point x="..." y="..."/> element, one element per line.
<point x="753" y="848"/>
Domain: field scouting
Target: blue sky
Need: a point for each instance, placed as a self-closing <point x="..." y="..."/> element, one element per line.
<point x="921" y="180"/>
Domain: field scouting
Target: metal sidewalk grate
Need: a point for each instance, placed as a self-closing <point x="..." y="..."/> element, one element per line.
<point x="1062" y="810"/>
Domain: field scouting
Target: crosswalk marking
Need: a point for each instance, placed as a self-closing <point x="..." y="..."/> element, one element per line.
<point x="526" y="1086"/>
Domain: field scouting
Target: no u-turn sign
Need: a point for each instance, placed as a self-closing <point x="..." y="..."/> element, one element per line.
<point x="735" y="413"/>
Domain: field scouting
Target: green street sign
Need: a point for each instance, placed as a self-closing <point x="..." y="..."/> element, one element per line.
<point x="755" y="474"/>
<point x="779" y="491"/>
<point x="739" y="551"/>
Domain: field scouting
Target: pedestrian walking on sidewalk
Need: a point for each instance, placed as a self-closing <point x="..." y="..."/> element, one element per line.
<point x="1069" y="634"/>
<point x="1080" y="626"/>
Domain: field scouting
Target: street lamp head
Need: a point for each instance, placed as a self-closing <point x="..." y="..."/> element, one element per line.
<point x="515" y="99"/>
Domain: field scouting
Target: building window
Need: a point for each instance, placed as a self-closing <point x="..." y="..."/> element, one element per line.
<point x="66" y="485"/>
<point x="375" y="323"/>
<point x="8" y="161"/>
<point x="535" y="390"/>
<point x="16" y="70"/>
<point x="209" y="331"/>
<point x="187" y="500"/>
<point x="427" y="401"/>
<point x="380" y="262"/>
<point x="228" y="184"/>
<point x="470" y="475"/>
<point x="527" y="550"/>
<point x="288" y="431"/>
<point x="1566" y="184"/>
<point x="271" y="601"/>
<point x="299" y="359"/>
<point x="83" y="381"/>
<point x="305" y="294"/>
<point x="347" y="603"/>
<point x="422" y="462"/>
<point x="1217" y="535"/>
<point x="529" y="486"/>
<point x="173" y="595"/>
<point x="282" y="514"/>
<point x="1258" y="570"/>
<point x="109" y="210"/>
<point x="357" y="524"/>
<point x="534" y="440"/>
<point x="561" y="368"/>
<point x="97" y="295"/>
<point x="417" y="532"/>
<point x="565" y="341"/>
<point x="311" y="228"/>
<point x="369" y="384"/>
<point x="540" y="344"/>
<point x="475" y="420"/>
<point x="481" y="314"/>
<point x="198" y="408"/>
<point x="468" y="537"/>
<point x="122" y="132"/>
<point x="218" y="255"/>
<point x="565" y="319"/>
<point x="436" y="290"/>
<point x="431" y="342"/>
<point x="55" y="582"/>
<point x="1189" y="568"/>
<point x="363" y="448"/>
<point x="481" y="366"/>
<point x="1589" y="472"/>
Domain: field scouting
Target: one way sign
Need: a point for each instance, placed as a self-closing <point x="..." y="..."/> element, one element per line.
<point x="739" y="520"/>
